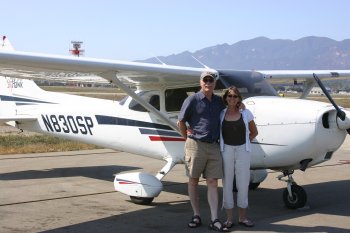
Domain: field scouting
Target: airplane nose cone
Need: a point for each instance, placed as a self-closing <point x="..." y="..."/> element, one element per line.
<point x="344" y="124"/>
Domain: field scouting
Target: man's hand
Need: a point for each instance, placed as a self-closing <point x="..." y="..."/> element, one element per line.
<point x="241" y="106"/>
<point x="183" y="128"/>
<point x="189" y="131"/>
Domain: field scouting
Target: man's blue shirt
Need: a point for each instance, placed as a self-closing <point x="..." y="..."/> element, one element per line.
<point x="203" y="116"/>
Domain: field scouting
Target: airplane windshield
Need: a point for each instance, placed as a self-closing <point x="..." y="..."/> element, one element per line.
<point x="249" y="83"/>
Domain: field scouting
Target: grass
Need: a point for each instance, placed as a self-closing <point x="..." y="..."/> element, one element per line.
<point x="21" y="144"/>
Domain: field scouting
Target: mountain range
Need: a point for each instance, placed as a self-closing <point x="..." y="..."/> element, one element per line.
<point x="263" y="53"/>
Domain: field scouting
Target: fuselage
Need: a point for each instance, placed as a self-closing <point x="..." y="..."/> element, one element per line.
<point x="290" y="130"/>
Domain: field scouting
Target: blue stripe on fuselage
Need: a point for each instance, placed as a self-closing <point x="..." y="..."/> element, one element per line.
<point x="109" y="120"/>
<point x="22" y="100"/>
<point x="159" y="132"/>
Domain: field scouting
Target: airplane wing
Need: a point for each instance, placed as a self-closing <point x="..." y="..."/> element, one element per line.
<point x="36" y="66"/>
<point x="137" y="74"/>
<point x="304" y="74"/>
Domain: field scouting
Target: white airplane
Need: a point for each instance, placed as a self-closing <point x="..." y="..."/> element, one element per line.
<point x="293" y="133"/>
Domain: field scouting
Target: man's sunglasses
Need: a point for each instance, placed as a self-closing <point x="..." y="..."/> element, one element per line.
<point x="208" y="80"/>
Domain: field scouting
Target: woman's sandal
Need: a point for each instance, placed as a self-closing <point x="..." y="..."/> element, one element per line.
<point x="195" y="222"/>
<point x="228" y="224"/>
<point x="246" y="222"/>
<point x="222" y="228"/>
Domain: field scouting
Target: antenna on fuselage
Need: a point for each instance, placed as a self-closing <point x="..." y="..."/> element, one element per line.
<point x="161" y="62"/>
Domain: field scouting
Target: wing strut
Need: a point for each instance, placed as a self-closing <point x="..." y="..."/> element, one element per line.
<point x="309" y="84"/>
<point x="112" y="76"/>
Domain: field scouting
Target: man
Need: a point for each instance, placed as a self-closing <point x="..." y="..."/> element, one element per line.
<point x="202" y="153"/>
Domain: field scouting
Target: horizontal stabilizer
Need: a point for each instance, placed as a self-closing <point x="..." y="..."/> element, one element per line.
<point x="20" y="118"/>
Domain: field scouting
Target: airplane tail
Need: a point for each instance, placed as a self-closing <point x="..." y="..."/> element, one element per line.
<point x="7" y="103"/>
<point x="13" y="94"/>
<point x="6" y="44"/>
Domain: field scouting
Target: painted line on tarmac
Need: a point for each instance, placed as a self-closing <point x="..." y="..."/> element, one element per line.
<point x="56" y="198"/>
<point x="55" y="156"/>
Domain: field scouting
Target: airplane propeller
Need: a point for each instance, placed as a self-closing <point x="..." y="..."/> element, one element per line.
<point x="340" y="113"/>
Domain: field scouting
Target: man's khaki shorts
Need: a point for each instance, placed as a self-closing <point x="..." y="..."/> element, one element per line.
<point x="203" y="158"/>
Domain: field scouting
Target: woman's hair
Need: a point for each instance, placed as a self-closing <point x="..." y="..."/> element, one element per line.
<point x="235" y="90"/>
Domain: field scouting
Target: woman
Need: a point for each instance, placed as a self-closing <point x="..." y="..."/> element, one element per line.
<point x="237" y="130"/>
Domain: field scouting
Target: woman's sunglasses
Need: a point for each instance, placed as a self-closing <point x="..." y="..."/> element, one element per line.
<point x="232" y="96"/>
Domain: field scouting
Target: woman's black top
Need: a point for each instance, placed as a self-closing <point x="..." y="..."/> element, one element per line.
<point x="233" y="132"/>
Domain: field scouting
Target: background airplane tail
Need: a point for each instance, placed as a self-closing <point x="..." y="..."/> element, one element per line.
<point x="7" y="103"/>
<point x="6" y="44"/>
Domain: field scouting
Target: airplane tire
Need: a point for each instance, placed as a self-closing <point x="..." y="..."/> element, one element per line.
<point x="298" y="200"/>
<point x="141" y="200"/>
<point x="253" y="186"/>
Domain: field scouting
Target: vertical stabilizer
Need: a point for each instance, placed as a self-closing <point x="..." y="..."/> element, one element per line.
<point x="6" y="44"/>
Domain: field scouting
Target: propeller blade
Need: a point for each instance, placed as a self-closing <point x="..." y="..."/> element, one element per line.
<point x="341" y="114"/>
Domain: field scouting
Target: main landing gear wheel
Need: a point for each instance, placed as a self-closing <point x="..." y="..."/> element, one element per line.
<point x="141" y="200"/>
<point x="298" y="198"/>
<point x="253" y="186"/>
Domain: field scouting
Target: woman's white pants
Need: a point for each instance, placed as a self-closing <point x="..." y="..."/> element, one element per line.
<point x="236" y="160"/>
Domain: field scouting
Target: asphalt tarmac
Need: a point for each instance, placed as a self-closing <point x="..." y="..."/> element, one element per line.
<point x="73" y="192"/>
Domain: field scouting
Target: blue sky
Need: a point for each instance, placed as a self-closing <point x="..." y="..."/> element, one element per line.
<point x="140" y="29"/>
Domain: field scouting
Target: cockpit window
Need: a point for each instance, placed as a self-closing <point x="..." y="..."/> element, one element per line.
<point x="147" y="96"/>
<point x="154" y="101"/>
<point x="175" y="97"/>
<point x="249" y="84"/>
<point x="122" y="102"/>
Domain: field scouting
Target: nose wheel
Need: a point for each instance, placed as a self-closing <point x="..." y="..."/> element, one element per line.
<point x="294" y="196"/>
<point x="141" y="200"/>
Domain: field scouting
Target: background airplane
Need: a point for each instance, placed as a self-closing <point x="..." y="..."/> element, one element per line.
<point x="6" y="44"/>
<point x="293" y="133"/>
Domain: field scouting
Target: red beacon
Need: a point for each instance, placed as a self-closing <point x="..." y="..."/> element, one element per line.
<point x="76" y="49"/>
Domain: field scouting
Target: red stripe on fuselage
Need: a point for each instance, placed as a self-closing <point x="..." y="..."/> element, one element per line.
<point x="158" y="138"/>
